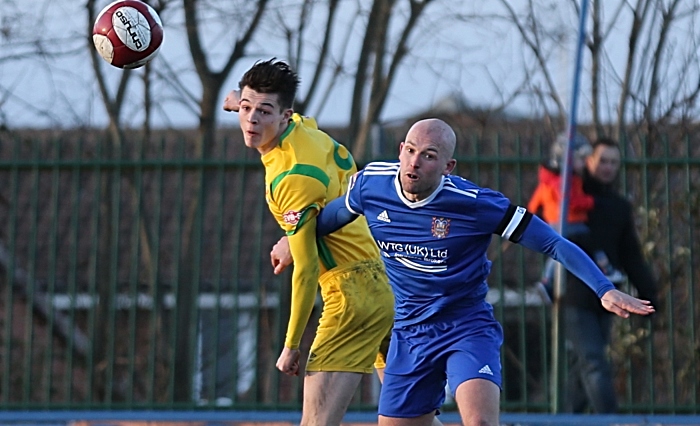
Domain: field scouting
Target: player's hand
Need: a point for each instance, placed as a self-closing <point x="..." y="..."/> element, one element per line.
<point x="280" y="256"/>
<point x="288" y="362"/>
<point x="623" y="304"/>
<point x="231" y="102"/>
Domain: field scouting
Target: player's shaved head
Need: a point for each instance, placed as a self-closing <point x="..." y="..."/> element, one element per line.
<point x="439" y="132"/>
<point x="425" y="157"/>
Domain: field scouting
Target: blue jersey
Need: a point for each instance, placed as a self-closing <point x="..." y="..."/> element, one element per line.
<point x="434" y="249"/>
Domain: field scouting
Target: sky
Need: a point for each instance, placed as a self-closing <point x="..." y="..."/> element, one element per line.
<point x="62" y="91"/>
<point x="483" y="62"/>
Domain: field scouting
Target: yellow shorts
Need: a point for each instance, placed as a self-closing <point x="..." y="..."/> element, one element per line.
<point x="358" y="312"/>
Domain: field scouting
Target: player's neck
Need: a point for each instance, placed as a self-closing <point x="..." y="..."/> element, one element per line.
<point x="281" y="131"/>
<point x="275" y="141"/>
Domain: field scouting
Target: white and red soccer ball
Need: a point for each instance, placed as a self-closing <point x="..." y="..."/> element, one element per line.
<point x="127" y="33"/>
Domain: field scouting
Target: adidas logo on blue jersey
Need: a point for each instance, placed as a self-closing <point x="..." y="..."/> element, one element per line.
<point x="486" y="370"/>
<point x="384" y="217"/>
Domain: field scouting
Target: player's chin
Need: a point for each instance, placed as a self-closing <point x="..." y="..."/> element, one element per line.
<point x="250" y="142"/>
<point x="409" y="184"/>
<point x="414" y="189"/>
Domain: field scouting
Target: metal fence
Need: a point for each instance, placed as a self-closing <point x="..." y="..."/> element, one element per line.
<point x="137" y="277"/>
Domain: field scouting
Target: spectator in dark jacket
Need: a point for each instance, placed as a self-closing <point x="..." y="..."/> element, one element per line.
<point x="588" y="326"/>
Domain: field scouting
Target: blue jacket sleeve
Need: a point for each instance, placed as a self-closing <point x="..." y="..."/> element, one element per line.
<point x="333" y="217"/>
<point x="539" y="236"/>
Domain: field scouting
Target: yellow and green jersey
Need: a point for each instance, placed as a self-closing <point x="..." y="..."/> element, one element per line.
<point x="304" y="172"/>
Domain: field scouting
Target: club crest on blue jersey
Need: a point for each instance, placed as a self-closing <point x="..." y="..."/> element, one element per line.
<point x="441" y="227"/>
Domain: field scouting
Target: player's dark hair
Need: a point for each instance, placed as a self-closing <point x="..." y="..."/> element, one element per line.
<point x="272" y="77"/>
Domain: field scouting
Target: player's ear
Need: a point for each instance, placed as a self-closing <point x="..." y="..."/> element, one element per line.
<point x="287" y="114"/>
<point x="401" y="147"/>
<point x="450" y="166"/>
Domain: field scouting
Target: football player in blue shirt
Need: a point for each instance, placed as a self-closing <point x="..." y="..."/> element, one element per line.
<point x="433" y="230"/>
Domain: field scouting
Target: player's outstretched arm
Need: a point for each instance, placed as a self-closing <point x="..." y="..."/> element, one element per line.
<point x="541" y="237"/>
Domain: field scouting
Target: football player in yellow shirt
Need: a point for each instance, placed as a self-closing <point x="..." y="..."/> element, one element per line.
<point x="304" y="169"/>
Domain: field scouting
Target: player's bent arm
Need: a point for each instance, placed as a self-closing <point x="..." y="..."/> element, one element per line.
<point x="304" y="281"/>
<point x="231" y="102"/>
<point x="333" y="217"/>
<point x="280" y="256"/>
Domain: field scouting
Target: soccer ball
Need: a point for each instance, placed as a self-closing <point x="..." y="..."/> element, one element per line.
<point x="127" y="33"/>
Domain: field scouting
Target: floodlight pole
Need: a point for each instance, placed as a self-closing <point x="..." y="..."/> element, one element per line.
<point x="559" y="355"/>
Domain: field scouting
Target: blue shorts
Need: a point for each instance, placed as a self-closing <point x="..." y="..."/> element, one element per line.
<point x="423" y="357"/>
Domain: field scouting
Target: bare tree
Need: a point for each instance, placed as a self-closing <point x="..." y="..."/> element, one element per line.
<point x="644" y="87"/>
<point x="21" y="47"/>
<point x="530" y="26"/>
<point x="657" y="83"/>
<point x="103" y="346"/>
<point x="114" y="101"/>
<point x="296" y="34"/>
<point x="208" y="103"/>
<point x="380" y="58"/>
<point x="387" y="27"/>
<point x="212" y="81"/>
<point x="383" y="74"/>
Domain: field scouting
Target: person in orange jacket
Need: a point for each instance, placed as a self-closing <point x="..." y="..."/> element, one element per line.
<point x="546" y="202"/>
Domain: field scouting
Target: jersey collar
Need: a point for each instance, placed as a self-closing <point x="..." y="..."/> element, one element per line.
<point x="416" y="204"/>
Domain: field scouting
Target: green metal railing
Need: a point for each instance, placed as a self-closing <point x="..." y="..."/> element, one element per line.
<point x="137" y="277"/>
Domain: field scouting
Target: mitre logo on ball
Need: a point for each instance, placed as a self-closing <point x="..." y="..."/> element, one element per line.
<point x="127" y="33"/>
